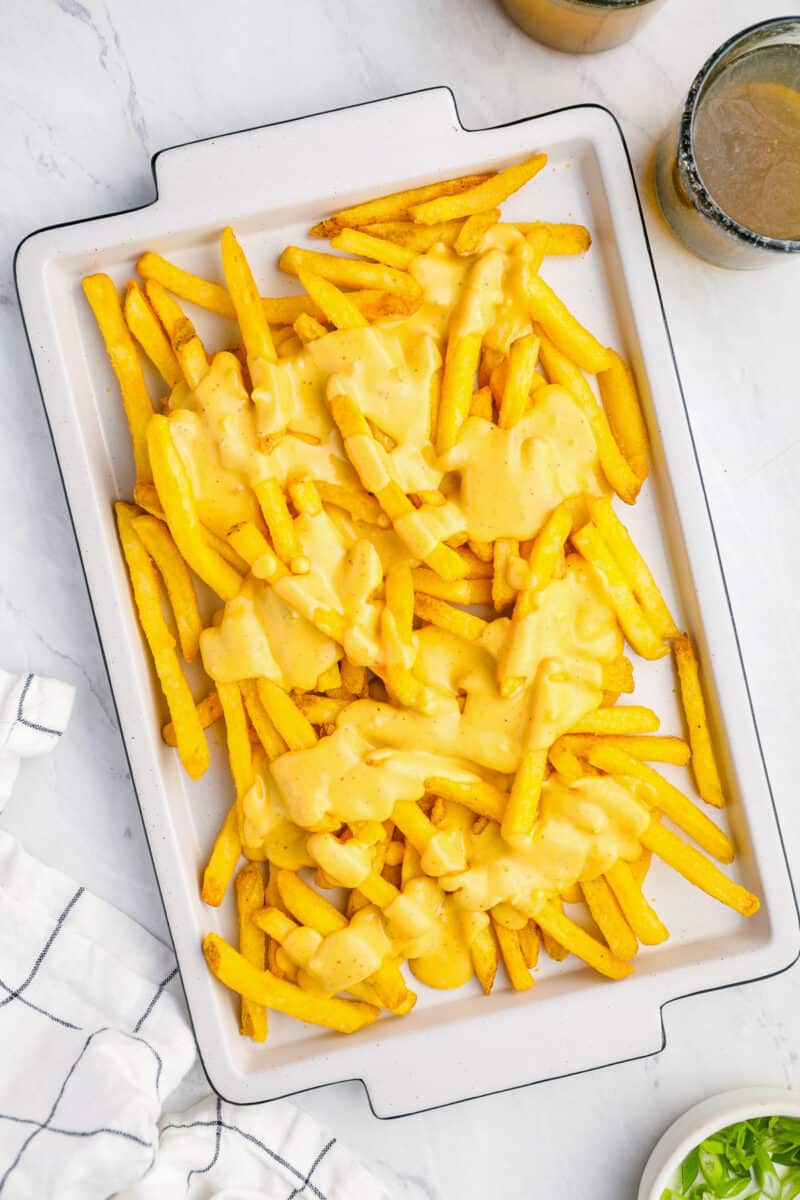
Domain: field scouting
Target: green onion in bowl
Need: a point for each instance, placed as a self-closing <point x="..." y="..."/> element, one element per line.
<point x="759" y="1157"/>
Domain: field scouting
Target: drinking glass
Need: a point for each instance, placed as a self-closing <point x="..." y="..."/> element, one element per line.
<point x="581" y="26"/>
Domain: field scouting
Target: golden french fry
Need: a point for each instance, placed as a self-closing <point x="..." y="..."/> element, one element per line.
<point x="538" y="240"/>
<point x="643" y="919"/>
<point x="458" y="591"/>
<point x="483" y="196"/>
<point x="695" y="867"/>
<point x="182" y="283"/>
<point x="177" y="580"/>
<point x="581" y="944"/>
<point x="638" y="630"/>
<point x="522" y="359"/>
<point x="461" y="365"/>
<point x="340" y="311"/>
<point x="561" y="238"/>
<point x="633" y="567"/>
<point x="503" y="594"/>
<point x="359" y="241"/>
<point x="609" y="918"/>
<point x="267" y="734"/>
<point x="518" y="974"/>
<point x="104" y="301"/>
<point x="480" y="797"/>
<point x="647" y="749"/>
<point x="295" y="729"/>
<point x="418" y="238"/>
<point x="240" y="753"/>
<point x="564" y="329"/>
<point x="344" y="1016"/>
<point x="308" y="328"/>
<point x="175" y="494"/>
<point x="629" y="718"/>
<point x="275" y="511"/>
<point x="349" y="272"/>
<point x="189" y="735"/>
<point x="320" y="710"/>
<point x="252" y="945"/>
<point x="704" y="764"/>
<point x="641" y="865"/>
<point x="188" y="348"/>
<point x="620" y="398"/>
<point x="472" y="231"/>
<point x="445" y="616"/>
<point x="482" y="404"/>
<point x="485" y="958"/>
<point x="146" y="328"/>
<point x="529" y="944"/>
<point x="679" y="808"/>
<point x="394" y="207"/>
<point x="564" y="761"/>
<point x="247" y="304"/>
<point x="209" y="710"/>
<point x="354" y="500"/>
<point x="225" y="855"/>
<point x="523" y="803"/>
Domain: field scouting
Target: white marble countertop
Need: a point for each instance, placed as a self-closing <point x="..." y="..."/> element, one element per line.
<point x="88" y="91"/>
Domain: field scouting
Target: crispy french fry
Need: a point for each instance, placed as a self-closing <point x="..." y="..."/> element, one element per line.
<point x="704" y="764"/>
<point x="320" y="710"/>
<point x="628" y="718"/>
<point x="633" y="567"/>
<point x="189" y="735"/>
<point x="503" y="594"/>
<point x="564" y="329"/>
<point x="480" y="797"/>
<point x="485" y="958"/>
<point x="562" y="760"/>
<point x="104" y="301"/>
<point x="529" y="944"/>
<point x="482" y="404"/>
<point x="523" y="803"/>
<point x="418" y="238"/>
<point x="188" y="348"/>
<point x="308" y="328"/>
<point x="638" y="630"/>
<point x="581" y="944"/>
<point x="340" y="311"/>
<point x="686" y="815"/>
<point x="483" y="196"/>
<point x="522" y="359"/>
<point x="344" y="1016"/>
<point x="252" y="945"/>
<point x="695" y="867"/>
<point x="274" y="509"/>
<point x="177" y="580"/>
<point x="225" y="855"/>
<point x="174" y="492"/>
<point x="620" y="398"/>
<point x="647" y="749"/>
<point x="354" y="500"/>
<point x="458" y="591"/>
<point x="267" y="734"/>
<point x="609" y="918"/>
<point x="182" y="283"/>
<point x="394" y="207"/>
<point x="561" y="238"/>
<point x="209" y="710"/>
<point x="461" y="365"/>
<point x="518" y="974"/>
<point x="146" y="328"/>
<point x="445" y="616"/>
<point x="538" y="240"/>
<point x="239" y="749"/>
<point x="472" y="231"/>
<point x="358" y="241"/>
<point x="295" y="729"/>
<point x="249" y="309"/>
<point x="643" y="919"/>
<point x="349" y="272"/>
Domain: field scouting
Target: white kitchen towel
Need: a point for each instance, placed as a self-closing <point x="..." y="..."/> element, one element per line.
<point x="93" y="1037"/>
<point x="34" y="712"/>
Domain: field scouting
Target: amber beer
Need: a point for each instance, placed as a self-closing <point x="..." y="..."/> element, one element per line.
<point x="581" y="26"/>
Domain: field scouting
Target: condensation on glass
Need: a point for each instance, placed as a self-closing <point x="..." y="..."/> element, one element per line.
<point x="581" y="26"/>
<point x="728" y="169"/>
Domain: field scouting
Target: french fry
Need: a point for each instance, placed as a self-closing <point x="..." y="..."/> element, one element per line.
<point x="483" y="196"/>
<point x="275" y="511"/>
<point x="620" y="398"/>
<point x="248" y="307"/>
<point x="518" y="974"/>
<point x="446" y="616"/>
<point x="704" y="764"/>
<point x="561" y="238"/>
<point x="240" y="753"/>
<point x="562" y="760"/>
<point x="354" y="678"/>
<point x="503" y="594"/>
<point x="482" y="404"/>
<point x="189" y="735"/>
<point x="349" y="272"/>
<point x="308" y="328"/>
<point x="209" y="710"/>
<point x="174" y="492"/>
<point x="321" y="710"/>
<point x="529" y="944"/>
<point x="367" y="245"/>
<point x="538" y="240"/>
<point x="472" y="231"/>
<point x="458" y="591"/>
<point x="289" y="348"/>
<point x="354" y="500"/>
<point x="477" y="568"/>
<point x="564" y="329"/>
<point x="478" y="796"/>
<point x="522" y="359"/>
<point x="523" y="803"/>
<point x="146" y="328"/>
<point x="638" y="630"/>
<point x="626" y="719"/>
<point x="609" y="918"/>
<point x="182" y="283"/>
<point x="581" y="944"/>
<point x="686" y="815"/>
<point x="295" y="729"/>
<point x="647" y="749"/>
<point x="252" y="946"/>
<point x="340" y="311"/>
<point x="485" y="958"/>
<point x="633" y="567"/>
<point x="643" y="919"/>
<point x="418" y="238"/>
<point x="330" y="680"/>
<point x="104" y="301"/>
<point x="225" y="855"/>
<point x="394" y="207"/>
<point x="344" y="1016"/>
<point x="695" y="867"/>
<point x="561" y="371"/>
<point x="173" y="570"/>
<point x="188" y="348"/>
<point x="267" y="734"/>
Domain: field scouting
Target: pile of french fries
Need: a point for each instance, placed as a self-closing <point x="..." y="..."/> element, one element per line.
<point x="446" y="855"/>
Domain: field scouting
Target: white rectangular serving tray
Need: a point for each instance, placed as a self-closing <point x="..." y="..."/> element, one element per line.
<point x="271" y="183"/>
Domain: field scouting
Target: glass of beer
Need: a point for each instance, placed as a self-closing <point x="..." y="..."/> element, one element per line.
<point x="728" y="171"/>
<point x="581" y="26"/>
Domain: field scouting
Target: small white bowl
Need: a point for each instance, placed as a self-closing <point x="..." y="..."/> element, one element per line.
<point x="703" y="1120"/>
